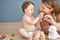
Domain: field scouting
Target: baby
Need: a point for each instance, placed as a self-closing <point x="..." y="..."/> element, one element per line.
<point x="53" y="34"/>
<point x="29" y="22"/>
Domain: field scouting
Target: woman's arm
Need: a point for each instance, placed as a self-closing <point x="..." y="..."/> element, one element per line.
<point x="57" y="25"/>
<point x="51" y="20"/>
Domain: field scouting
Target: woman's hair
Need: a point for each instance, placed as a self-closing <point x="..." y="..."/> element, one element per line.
<point x="56" y="6"/>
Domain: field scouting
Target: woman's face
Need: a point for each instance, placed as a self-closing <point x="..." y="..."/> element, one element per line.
<point x="47" y="10"/>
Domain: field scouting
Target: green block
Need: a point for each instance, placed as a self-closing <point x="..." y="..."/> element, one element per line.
<point x="0" y="38"/>
<point x="11" y="38"/>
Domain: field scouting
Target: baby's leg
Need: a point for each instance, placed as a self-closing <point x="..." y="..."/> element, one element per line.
<point x="24" y="33"/>
<point x="36" y="35"/>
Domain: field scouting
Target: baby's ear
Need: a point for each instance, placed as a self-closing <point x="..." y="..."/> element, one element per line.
<point x="25" y="10"/>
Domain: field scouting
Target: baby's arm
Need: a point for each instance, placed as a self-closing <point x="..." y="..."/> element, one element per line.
<point x="38" y="23"/>
<point x="30" y="21"/>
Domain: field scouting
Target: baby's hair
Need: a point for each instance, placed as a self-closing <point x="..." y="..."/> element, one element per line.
<point x="26" y="4"/>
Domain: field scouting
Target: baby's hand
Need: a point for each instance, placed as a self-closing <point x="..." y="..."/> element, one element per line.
<point x="41" y="15"/>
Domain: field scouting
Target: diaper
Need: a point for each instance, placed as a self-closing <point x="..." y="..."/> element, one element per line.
<point x="30" y="33"/>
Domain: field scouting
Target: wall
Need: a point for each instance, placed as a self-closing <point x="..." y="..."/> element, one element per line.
<point x="10" y="10"/>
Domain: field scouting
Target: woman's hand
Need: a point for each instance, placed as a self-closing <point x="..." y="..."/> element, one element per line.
<point x="49" y="19"/>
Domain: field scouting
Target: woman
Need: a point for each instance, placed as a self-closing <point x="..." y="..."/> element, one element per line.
<point x="51" y="9"/>
<point x="56" y="19"/>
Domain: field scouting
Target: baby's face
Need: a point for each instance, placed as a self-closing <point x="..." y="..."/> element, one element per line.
<point x="30" y="9"/>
